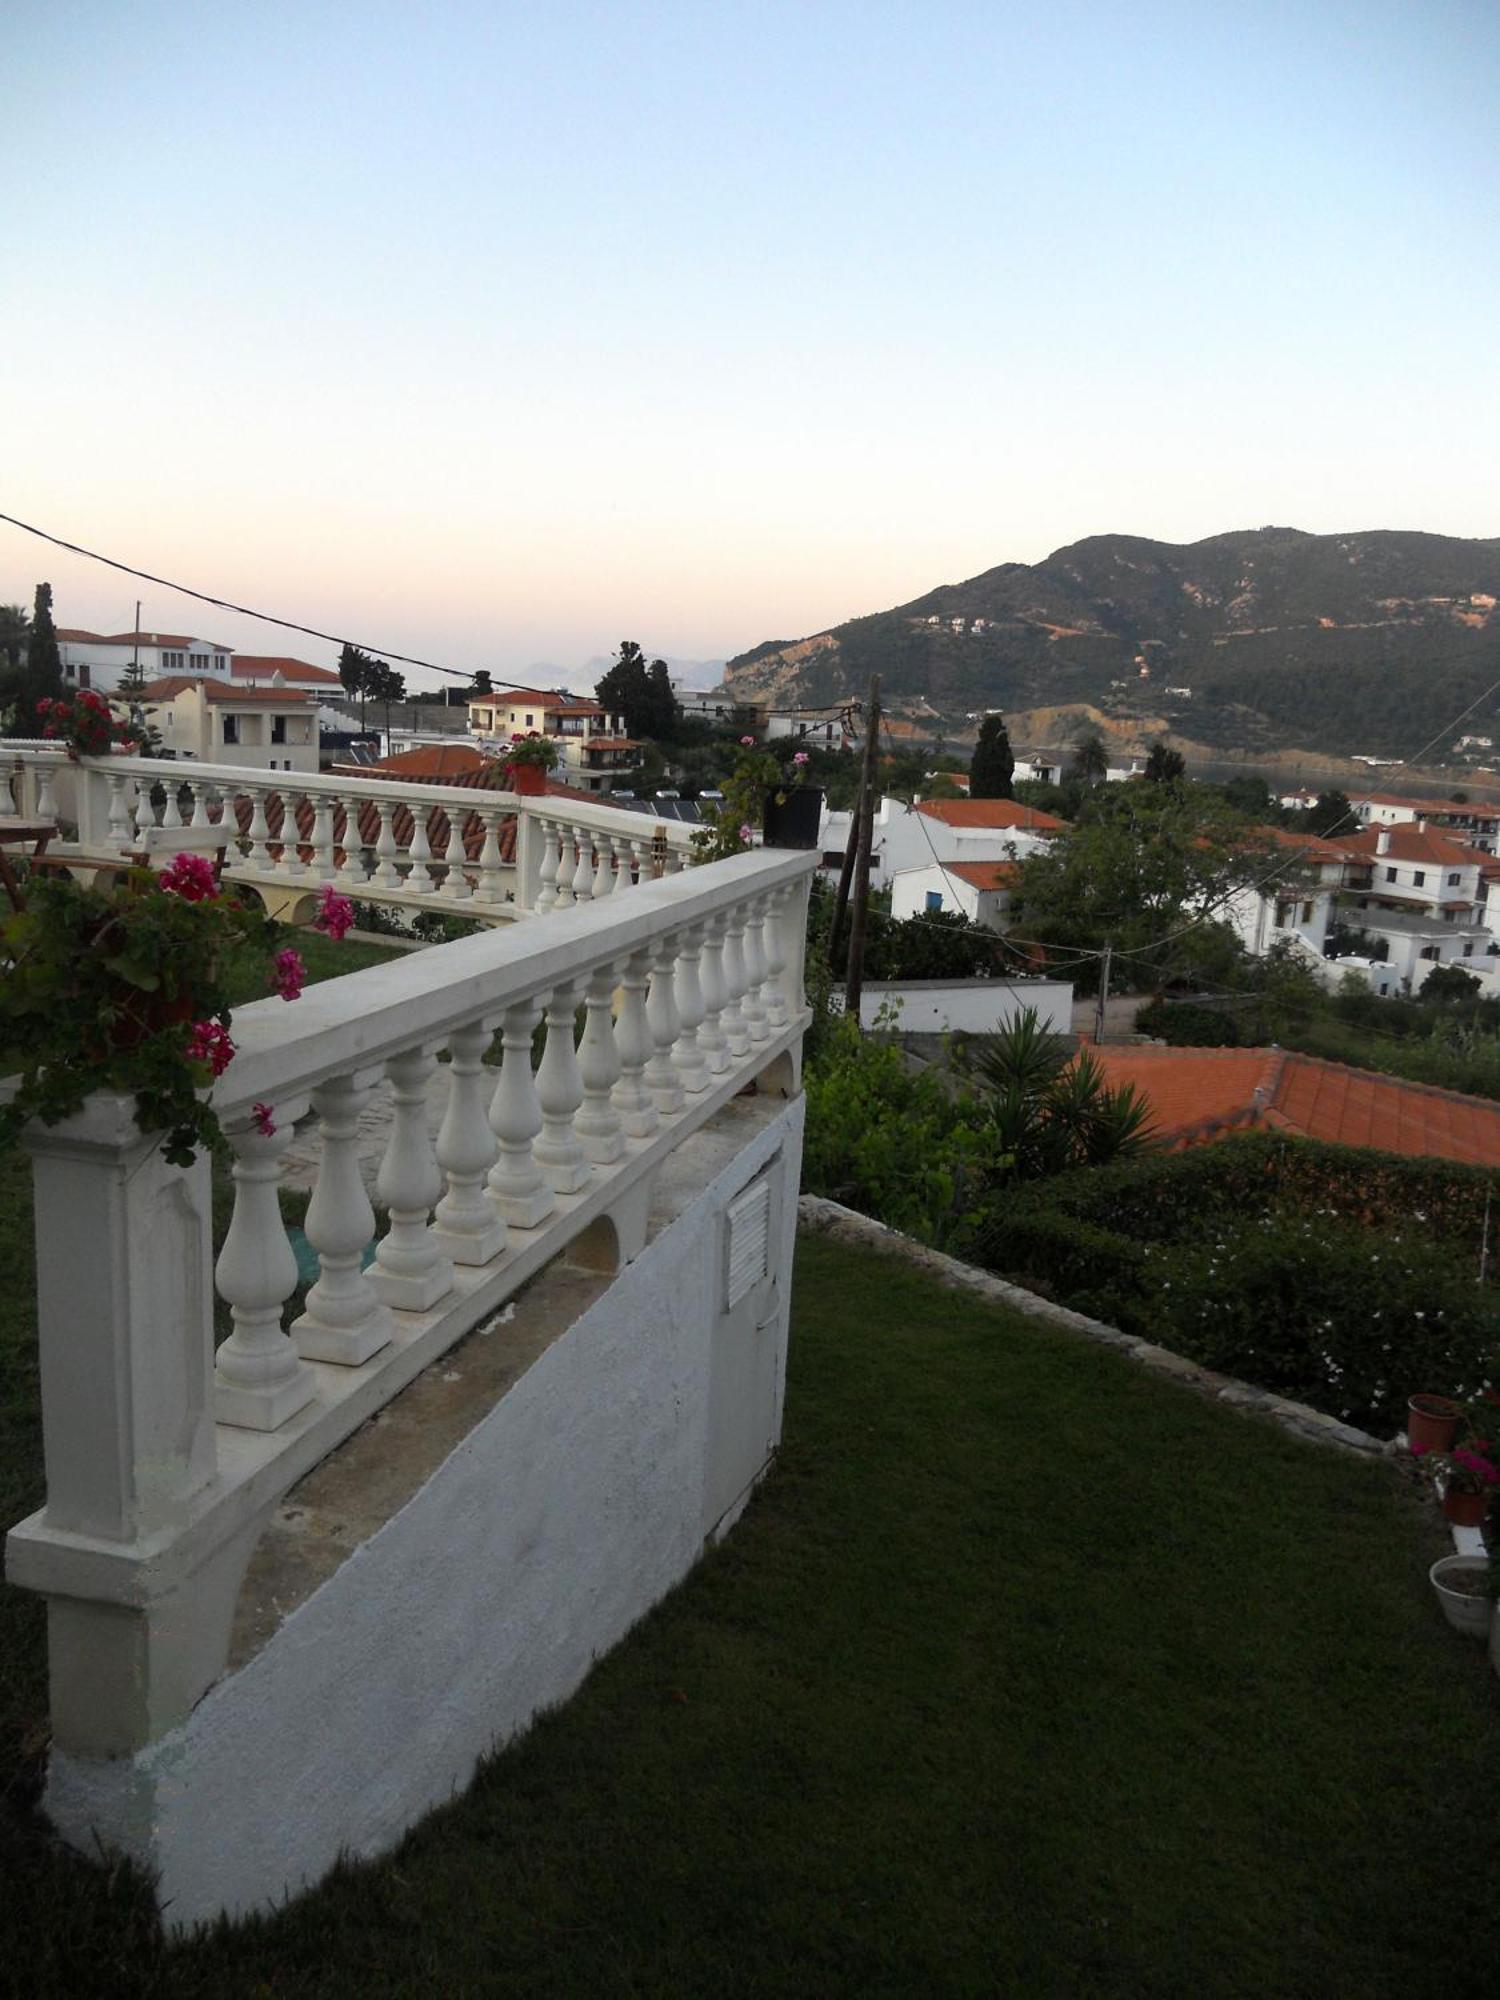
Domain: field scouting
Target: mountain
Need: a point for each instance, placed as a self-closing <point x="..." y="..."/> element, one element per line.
<point x="1367" y="643"/>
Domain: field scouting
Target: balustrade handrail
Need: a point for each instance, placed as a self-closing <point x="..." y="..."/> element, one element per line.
<point x="248" y="778"/>
<point x="423" y="997"/>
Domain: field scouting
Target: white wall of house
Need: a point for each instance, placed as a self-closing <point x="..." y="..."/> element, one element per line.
<point x="902" y="837"/>
<point x="1269" y="916"/>
<point x="255" y="735"/>
<point x="966" y="1006"/>
<point x="934" y="890"/>
<point x="102" y="664"/>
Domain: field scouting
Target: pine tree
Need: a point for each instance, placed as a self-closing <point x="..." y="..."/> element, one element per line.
<point x="42" y="676"/>
<point x="626" y="689"/>
<point x="1164" y="766"/>
<point x="993" y="765"/>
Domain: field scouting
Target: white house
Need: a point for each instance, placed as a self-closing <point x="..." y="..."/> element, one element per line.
<point x="827" y="728"/>
<point x="1295" y="906"/>
<point x="1414" y="869"/>
<point x="940" y="830"/>
<point x="594" y="753"/>
<point x="206" y="721"/>
<point x="100" y="660"/>
<point x="978" y="890"/>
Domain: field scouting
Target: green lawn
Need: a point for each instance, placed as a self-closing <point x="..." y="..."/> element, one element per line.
<point x="1026" y="1672"/>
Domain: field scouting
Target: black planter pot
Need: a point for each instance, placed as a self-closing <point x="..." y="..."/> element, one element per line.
<point x="792" y="817"/>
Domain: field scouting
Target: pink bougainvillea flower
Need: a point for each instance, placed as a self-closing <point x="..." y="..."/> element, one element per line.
<point x="190" y="876"/>
<point x="800" y="757"/>
<point x="288" y="975"/>
<point x="745" y="833"/>
<point x="264" y="1123"/>
<point x="1475" y="1462"/>
<point x="747" y="742"/>
<point x="335" y="913"/>
<point x="209" y="1043"/>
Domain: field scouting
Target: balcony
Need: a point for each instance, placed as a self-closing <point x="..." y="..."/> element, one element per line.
<point x="506" y="1139"/>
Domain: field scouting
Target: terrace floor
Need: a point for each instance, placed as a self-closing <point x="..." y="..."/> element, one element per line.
<point x="1026" y="1671"/>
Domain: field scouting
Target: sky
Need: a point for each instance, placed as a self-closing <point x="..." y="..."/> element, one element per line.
<point x="497" y="333"/>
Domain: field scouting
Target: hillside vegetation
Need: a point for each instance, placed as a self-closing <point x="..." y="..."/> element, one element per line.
<point x="1370" y="642"/>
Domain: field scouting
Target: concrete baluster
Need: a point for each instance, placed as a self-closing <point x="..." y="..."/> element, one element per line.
<point x="567" y="867"/>
<point x="687" y="1054"/>
<point x="324" y="866"/>
<point x="491" y="885"/>
<point x="411" y="1271"/>
<point x="516" y="1186"/>
<point x="467" y="1226"/>
<point x="715" y="996"/>
<point x="559" y="1089"/>
<point x="345" y="1321"/>
<point x="753" y="1007"/>
<point x="732" y="1021"/>
<point x="661" y="1077"/>
<point x="351" y="875"/>
<point x="121" y="829"/>
<point x="259" y="857"/>
<point x="598" y="1123"/>
<point x="387" y="874"/>
<point x="420" y="875"/>
<point x="778" y="1013"/>
<point x="583" y="874"/>
<point x="634" y="1045"/>
<point x="546" y="895"/>
<point x="260" y="1380"/>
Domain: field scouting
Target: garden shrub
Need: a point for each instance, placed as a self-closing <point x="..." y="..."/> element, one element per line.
<point x="1187" y="1026"/>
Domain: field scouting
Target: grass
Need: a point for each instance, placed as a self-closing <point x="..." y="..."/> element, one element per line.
<point x="1025" y="1671"/>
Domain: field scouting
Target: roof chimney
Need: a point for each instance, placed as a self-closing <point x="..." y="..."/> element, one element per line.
<point x="1383" y="841"/>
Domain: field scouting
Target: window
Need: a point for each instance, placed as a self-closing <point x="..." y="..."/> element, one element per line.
<point x="171" y="663"/>
<point x="1419" y="876"/>
<point x="231" y="729"/>
<point x="1452" y="881"/>
<point x="1283" y="915"/>
<point x="1430" y="951"/>
<point x="278" y="730"/>
<point x="1468" y="947"/>
<point x="934" y="900"/>
<point x="1307" y="913"/>
<point x="1390" y="874"/>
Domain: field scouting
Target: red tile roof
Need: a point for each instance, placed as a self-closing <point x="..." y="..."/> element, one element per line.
<point x="262" y="666"/>
<point x="221" y="691"/>
<point x="431" y="761"/>
<point x="1006" y="814"/>
<point x="1199" y="1094"/>
<point x="1412" y="843"/>
<point x="984" y="874"/>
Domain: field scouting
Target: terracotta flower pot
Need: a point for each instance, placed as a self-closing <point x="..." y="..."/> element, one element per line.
<point x="1465" y="1510"/>
<point x="1432" y="1422"/>
<point x="528" y="779"/>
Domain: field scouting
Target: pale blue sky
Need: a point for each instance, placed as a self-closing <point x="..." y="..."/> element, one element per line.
<point x="502" y="332"/>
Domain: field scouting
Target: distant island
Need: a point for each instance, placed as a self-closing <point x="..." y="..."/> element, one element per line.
<point x="1255" y="640"/>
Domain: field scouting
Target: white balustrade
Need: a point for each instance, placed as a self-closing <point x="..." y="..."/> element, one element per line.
<point x="324" y="865"/>
<point x="776" y="963"/>
<point x="546" y="896"/>
<point x="411" y="1271"/>
<point x="345" y="1320"/>
<point x="419" y="877"/>
<point x="711" y="1037"/>
<point x="753" y="1007"/>
<point x="732" y="1021"/>
<point x="490" y="888"/>
<point x="567" y="867"/>
<point x="350" y="879"/>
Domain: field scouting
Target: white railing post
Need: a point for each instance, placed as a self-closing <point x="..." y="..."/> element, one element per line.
<point x="732" y="1021"/>
<point x="466" y="1226"/>
<point x="455" y="881"/>
<point x="715" y="997"/>
<point x="121" y="831"/>
<point x="516" y="1186"/>
<point x="753" y="1007"/>
<point x="598" y="1123"/>
<point x="420" y="875"/>
<point x="324" y="866"/>
<point x="559" y="1089"/>
<point x="774" y="991"/>
<point x="634" y="1044"/>
<point x="387" y="874"/>
<point x="259" y="1378"/>
<point x="546" y="875"/>
<point x="583" y="874"/>
<point x="687" y="1055"/>
<point x="410" y="1271"/>
<point x="350" y="878"/>
<point x="567" y="867"/>
<point x="124" y="1320"/>
<point x="490" y="887"/>
<point x="345" y="1321"/>
<point x="661" y="1078"/>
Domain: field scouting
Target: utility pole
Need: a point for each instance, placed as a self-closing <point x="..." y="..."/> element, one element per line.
<point x="1103" y="993"/>
<point x="855" y="982"/>
<point x="135" y="656"/>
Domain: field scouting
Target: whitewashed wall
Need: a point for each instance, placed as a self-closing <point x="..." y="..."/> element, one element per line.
<point x="570" y="1508"/>
<point x="967" y="1006"/>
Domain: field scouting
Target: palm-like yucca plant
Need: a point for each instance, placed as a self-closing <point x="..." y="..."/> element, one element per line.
<point x="1052" y="1109"/>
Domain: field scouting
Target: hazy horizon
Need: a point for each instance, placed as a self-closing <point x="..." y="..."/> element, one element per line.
<point x="496" y="334"/>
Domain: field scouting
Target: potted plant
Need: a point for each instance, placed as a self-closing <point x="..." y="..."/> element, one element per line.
<point x="1432" y="1422"/>
<point x="125" y="988"/>
<point x="1467" y="1477"/>
<point x="1465" y="1591"/>
<point x="763" y="794"/>
<point x="531" y="757"/>
<point x="86" y="725"/>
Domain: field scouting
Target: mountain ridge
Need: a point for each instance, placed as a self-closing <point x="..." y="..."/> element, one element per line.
<point x="1369" y="640"/>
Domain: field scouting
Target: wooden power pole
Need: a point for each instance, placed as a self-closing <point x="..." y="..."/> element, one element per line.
<point x="866" y="825"/>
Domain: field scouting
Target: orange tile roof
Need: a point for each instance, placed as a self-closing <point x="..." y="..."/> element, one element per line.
<point x="1198" y="1094"/>
<point x="984" y="874"/>
<point x="1007" y="814"/>
<point x="222" y="691"/>
<point x="430" y="760"/>
<point x="261" y="666"/>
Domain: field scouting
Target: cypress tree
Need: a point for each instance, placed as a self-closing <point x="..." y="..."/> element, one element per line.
<point x="993" y="766"/>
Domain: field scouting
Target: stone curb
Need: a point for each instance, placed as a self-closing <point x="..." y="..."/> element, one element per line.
<point x="831" y="1218"/>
